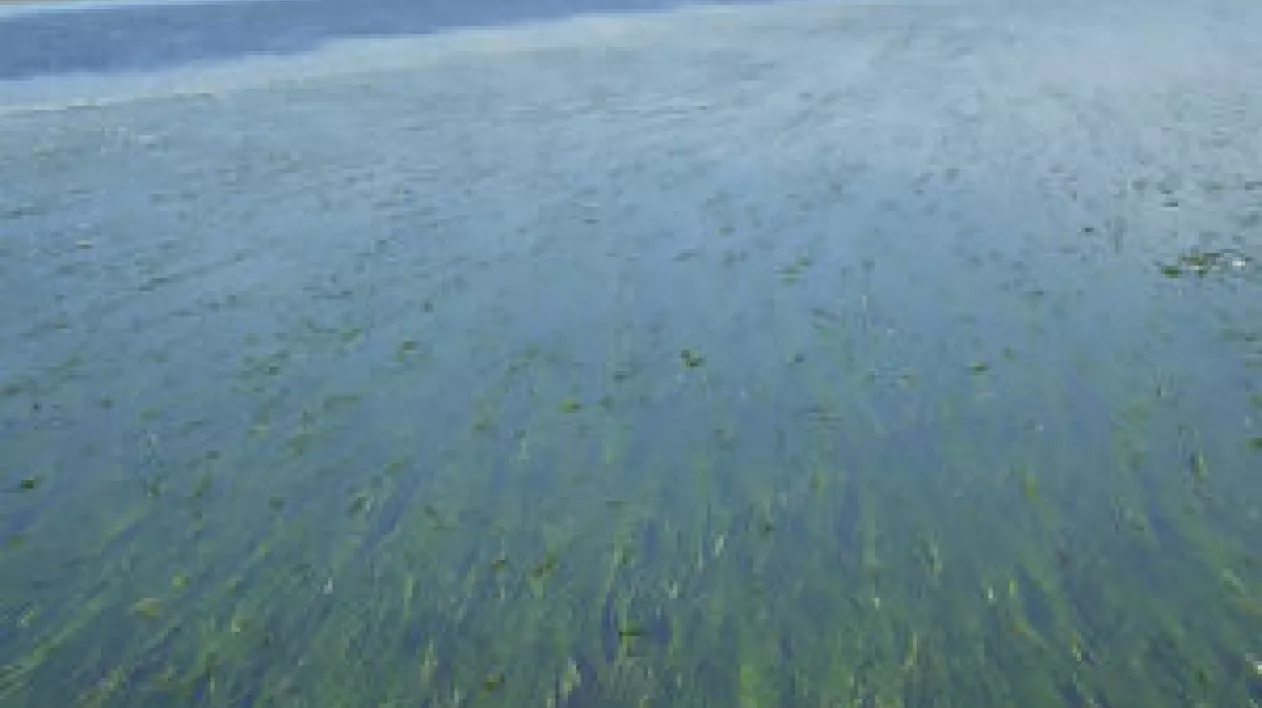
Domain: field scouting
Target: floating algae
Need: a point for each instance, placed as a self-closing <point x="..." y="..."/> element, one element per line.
<point x="29" y="484"/>
<point x="691" y="359"/>
<point x="869" y="498"/>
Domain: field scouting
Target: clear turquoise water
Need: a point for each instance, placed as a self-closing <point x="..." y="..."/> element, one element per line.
<point x="798" y="356"/>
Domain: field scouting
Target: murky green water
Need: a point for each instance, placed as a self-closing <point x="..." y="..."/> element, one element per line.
<point x="811" y="356"/>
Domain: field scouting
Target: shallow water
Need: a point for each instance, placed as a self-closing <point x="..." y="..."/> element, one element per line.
<point x="815" y="354"/>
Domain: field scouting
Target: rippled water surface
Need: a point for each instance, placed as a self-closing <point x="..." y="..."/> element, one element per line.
<point x="816" y="354"/>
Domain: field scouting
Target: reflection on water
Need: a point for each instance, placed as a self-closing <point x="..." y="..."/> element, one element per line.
<point x="807" y="355"/>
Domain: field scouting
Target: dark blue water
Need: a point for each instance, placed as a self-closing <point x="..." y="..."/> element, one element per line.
<point x="152" y="36"/>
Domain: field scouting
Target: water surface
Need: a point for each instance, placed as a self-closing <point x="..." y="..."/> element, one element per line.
<point x="802" y="355"/>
